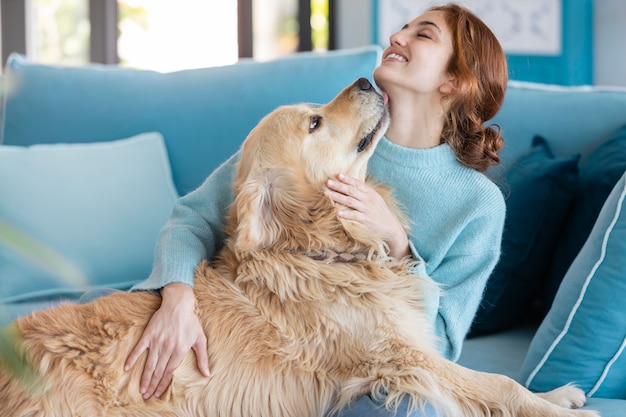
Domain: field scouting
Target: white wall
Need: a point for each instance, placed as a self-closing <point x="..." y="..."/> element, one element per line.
<point x="609" y="43"/>
<point x="609" y="38"/>
<point x="355" y="23"/>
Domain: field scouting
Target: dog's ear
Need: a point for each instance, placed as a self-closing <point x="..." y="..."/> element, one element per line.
<point x="265" y="203"/>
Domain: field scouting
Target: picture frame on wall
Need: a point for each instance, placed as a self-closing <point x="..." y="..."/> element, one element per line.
<point x="530" y="27"/>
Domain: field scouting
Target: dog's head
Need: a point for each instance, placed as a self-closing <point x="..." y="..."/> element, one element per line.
<point x="287" y="158"/>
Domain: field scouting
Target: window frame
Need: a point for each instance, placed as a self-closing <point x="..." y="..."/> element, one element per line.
<point x="103" y="16"/>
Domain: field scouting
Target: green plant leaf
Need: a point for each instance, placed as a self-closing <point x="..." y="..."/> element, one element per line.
<point x="52" y="262"/>
<point x="13" y="361"/>
<point x="41" y="255"/>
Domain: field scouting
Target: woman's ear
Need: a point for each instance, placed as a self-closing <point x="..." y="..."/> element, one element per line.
<point x="450" y="86"/>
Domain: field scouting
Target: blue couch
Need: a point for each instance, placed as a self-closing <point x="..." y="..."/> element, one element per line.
<point x="92" y="159"/>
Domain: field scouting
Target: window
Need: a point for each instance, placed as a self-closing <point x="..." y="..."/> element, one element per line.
<point x="162" y="34"/>
<point x="59" y="31"/>
<point x="281" y="27"/>
<point x="320" y="31"/>
<point x="167" y="35"/>
<point x="275" y="28"/>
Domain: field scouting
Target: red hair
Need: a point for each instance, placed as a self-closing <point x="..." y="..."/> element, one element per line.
<point x="478" y="64"/>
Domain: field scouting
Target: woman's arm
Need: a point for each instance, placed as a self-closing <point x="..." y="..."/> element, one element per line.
<point x="194" y="232"/>
<point x="461" y="266"/>
<point x="462" y="278"/>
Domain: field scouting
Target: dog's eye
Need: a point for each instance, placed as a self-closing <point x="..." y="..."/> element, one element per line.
<point x="314" y="123"/>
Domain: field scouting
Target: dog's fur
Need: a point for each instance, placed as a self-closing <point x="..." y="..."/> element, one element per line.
<point x="304" y="311"/>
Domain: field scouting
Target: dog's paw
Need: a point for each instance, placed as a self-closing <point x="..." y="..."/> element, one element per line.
<point x="567" y="396"/>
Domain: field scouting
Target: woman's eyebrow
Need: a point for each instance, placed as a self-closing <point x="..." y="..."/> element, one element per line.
<point x="429" y="23"/>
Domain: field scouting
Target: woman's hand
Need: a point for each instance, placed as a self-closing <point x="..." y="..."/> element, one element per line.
<point x="364" y="205"/>
<point x="173" y="329"/>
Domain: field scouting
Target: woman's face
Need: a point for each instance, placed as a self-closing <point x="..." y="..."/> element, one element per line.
<point x="417" y="58"/>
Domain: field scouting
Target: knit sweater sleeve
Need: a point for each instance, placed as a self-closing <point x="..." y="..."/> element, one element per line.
<point x="462" y="275"/>
<point x="194" y="231"/>
<point x="457" y="217"/>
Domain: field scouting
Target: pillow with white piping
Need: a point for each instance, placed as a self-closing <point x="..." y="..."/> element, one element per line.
<point x="582" y="340"/>
<point x="95" y="207"/>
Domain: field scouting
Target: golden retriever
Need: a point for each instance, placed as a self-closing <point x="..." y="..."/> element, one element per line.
<point x="304" y="311"/>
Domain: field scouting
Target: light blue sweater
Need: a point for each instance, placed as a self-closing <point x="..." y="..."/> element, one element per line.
<point x="457" y="217"/>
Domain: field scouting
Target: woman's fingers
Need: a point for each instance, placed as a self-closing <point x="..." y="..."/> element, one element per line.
<point x="171" y="332"/>
<point x="152" y="373"/>
<point x="347" y="191"/>
<point x="164" y="373"/>
<point x="202" y="356"/>
<point x="365" y="205"/>
<point x="139" y="348"/>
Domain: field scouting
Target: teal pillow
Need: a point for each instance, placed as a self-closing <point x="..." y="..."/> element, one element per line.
<point x="573" y="118"/>
<point x="583" y="337"/>
<point x="540" y="188"/>
<point x="99" y="206"/>
<point x="598" y="175"/>
<point x="204" y="114"/>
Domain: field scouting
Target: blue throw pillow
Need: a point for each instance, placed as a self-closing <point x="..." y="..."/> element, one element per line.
<point x="540" y="189"/>
<point x="97" y="207"/>
<point x="583" y="338"/>
<point x="598" y="175"/>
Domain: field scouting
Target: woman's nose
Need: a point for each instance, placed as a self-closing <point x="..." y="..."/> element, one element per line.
<point x="397" y="39"/>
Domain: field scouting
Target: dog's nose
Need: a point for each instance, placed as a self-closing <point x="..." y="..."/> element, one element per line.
<point x="364" y="84"/>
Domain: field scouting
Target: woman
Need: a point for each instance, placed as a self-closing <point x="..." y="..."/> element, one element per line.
<point x="445" y="74"/>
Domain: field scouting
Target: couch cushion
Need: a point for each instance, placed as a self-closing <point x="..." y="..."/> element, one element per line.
<point x="100" y="206"/>
<point x="504" y="353"/>
<point x="204" y="114"/>
<point x="598" y="175"/>
<point x="583" y="337"/>
<point x="538" y="189"/>
<point x="574" y="119"/>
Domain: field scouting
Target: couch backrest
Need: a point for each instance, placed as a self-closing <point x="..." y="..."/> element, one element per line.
<point x="203" y="114"/>
<point x="574" y="120"/>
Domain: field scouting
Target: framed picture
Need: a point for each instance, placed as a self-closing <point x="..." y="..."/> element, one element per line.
<point x="529" y="27"/>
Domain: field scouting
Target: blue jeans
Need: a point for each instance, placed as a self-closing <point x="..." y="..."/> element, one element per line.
<point x="365" y="406"/>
